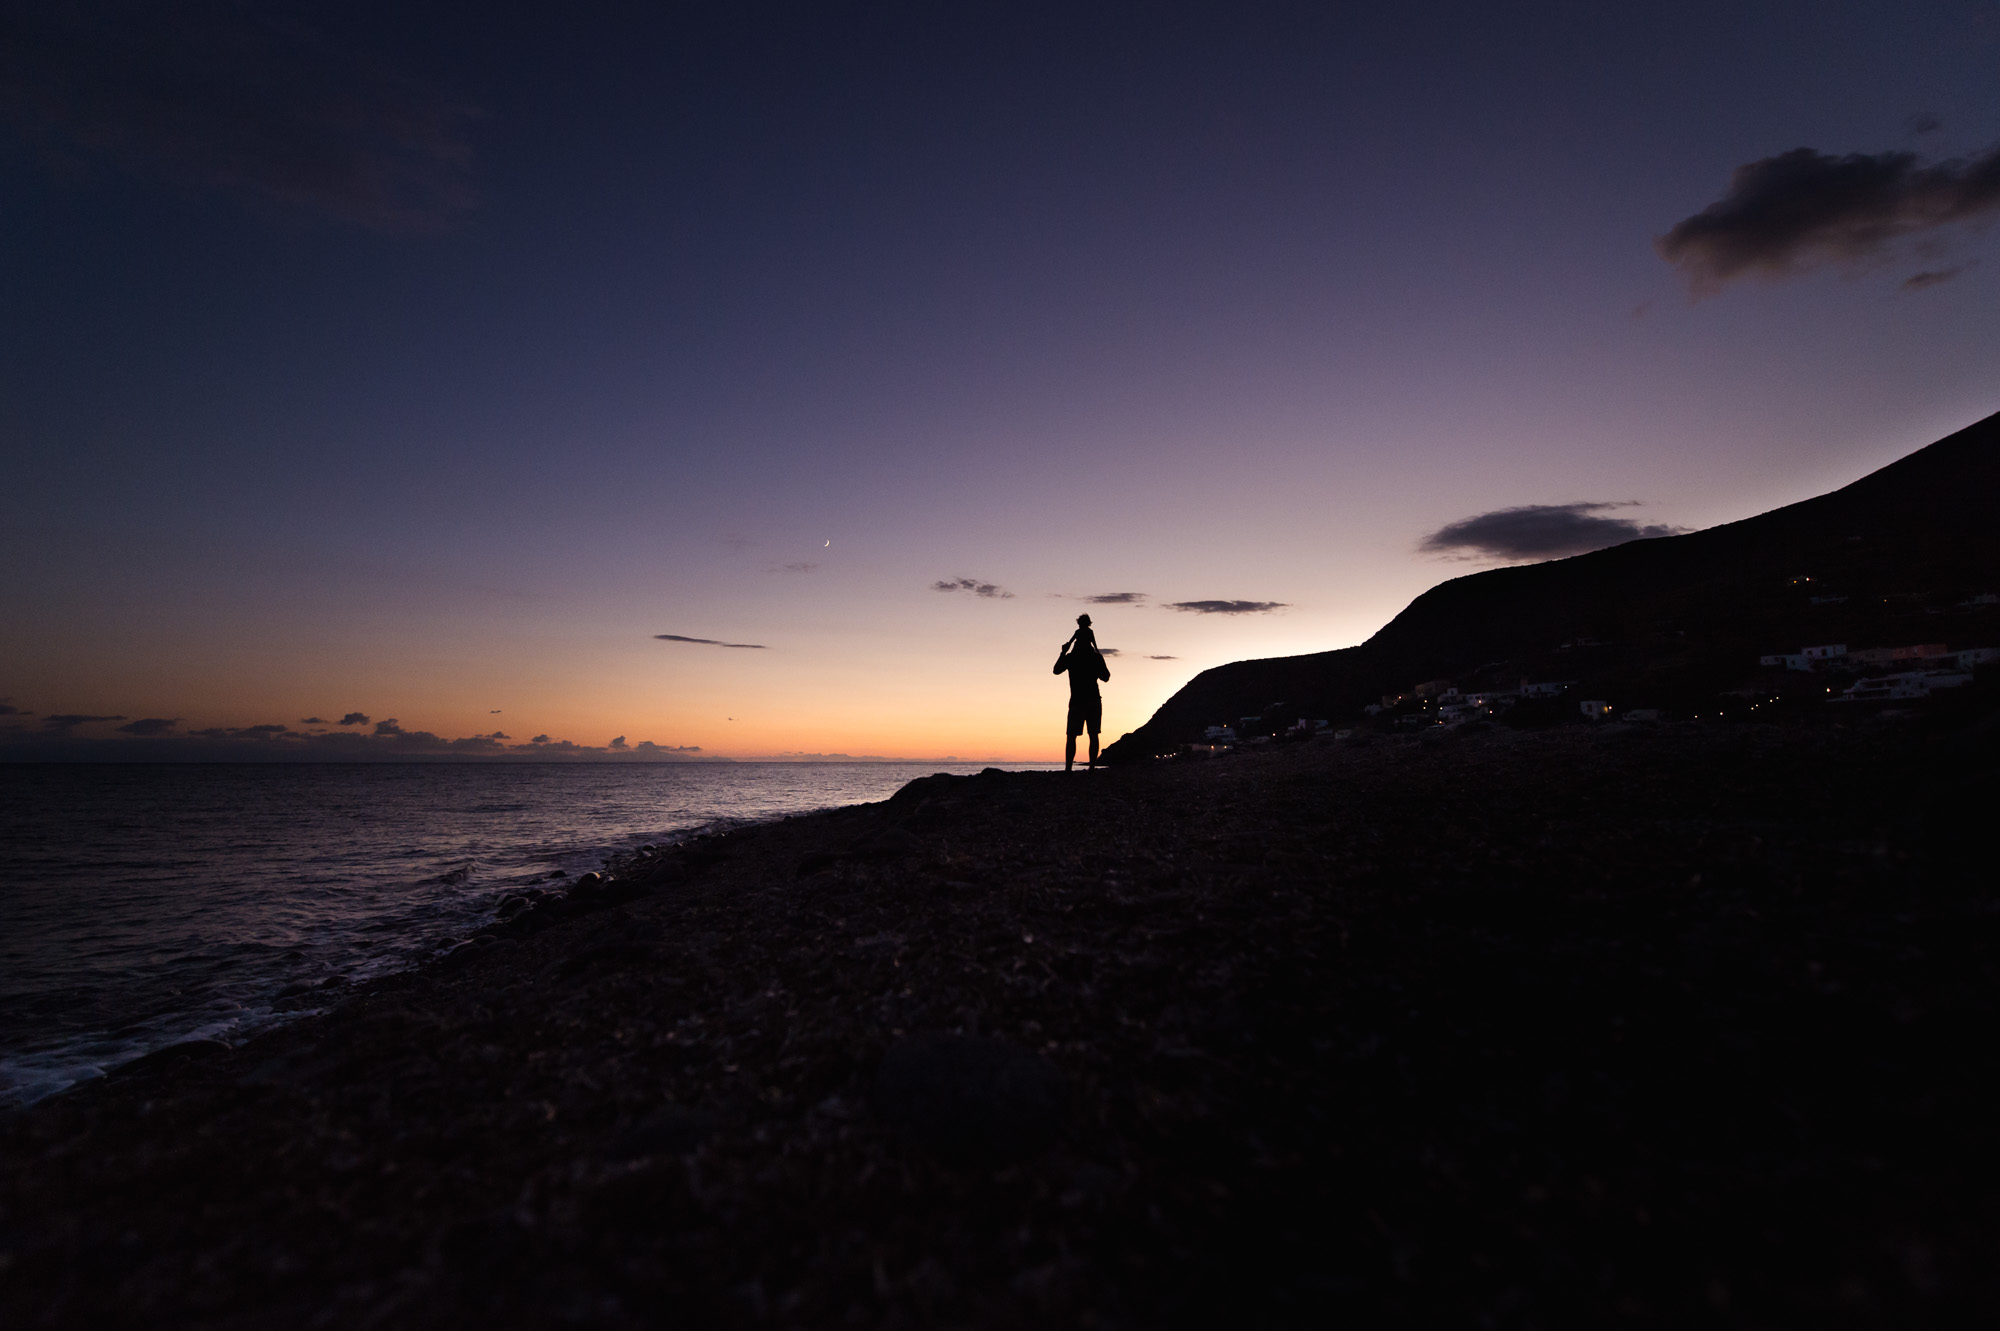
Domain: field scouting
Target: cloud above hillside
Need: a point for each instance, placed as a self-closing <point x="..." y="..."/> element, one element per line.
<point x="1804" y="209"/>
<point x="1539" y="531"/>
<point x="1932" y="277"/>
<point x="974" y="586"/>
<point x="1226" y="607"/>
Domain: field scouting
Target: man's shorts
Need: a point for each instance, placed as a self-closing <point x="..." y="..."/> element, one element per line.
<point x="1086" y="712"/>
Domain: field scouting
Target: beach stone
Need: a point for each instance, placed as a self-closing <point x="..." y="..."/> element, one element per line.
<point x="888" y="843"/>
<point x="174" y="1054"/>
<point x="970" y="1100"/>
<point x="672" y="1130"/>
<point x="607" y="957"/>
<point x="934" y="815"/>
<point x="816" y="861"/>
<point x="512" y="906"/>
<point x="922" y="788"/>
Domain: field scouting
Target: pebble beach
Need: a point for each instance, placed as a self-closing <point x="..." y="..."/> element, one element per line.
<point x="1614" y="1025"/>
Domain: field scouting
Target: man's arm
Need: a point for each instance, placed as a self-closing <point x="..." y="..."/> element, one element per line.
<point x="1062" y="661"/>
<point x="1103" y="670"/>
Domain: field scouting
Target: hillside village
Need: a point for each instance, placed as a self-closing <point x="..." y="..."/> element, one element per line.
<point x="1835" y="674"/>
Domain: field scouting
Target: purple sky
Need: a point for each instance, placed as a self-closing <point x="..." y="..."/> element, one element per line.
<point x="428" y="366"/>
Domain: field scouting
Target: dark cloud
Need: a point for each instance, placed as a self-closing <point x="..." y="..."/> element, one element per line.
<point x="1933" y="277"/>
<point x="242" y="98"/>
<point x="264" y="732"/>
<point x="1227" y="607"/>
<point x="1115" y="598"/>
<point x="1538" y="531"/>
<point x="539" y="739"/>
<point x="1163" y="658"/>
<point x="1924" y="122"/>
<point x="9" y="709"/>
<point x="314" y="721"/>
<point x="973" y="585"/>
<point x="1109" y="651"/>
<point x="71" y="720"/>
<point x="354" y="719"/>
<point x="1804" y="209"/>
<point x="797" y="568"/>
<point x="157" y="738"/>
<point x="711" y="642"/>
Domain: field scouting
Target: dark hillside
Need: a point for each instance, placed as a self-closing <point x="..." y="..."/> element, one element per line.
<point x="1668" y="621"/>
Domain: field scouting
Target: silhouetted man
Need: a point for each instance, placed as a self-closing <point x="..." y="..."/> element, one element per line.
<point x="1085" y="665"/>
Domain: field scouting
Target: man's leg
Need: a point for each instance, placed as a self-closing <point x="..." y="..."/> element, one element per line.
<point x="1069" y="754"/>
<point x="1093" y="746"/>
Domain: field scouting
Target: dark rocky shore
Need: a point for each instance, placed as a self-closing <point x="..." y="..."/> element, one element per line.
<point x="1614" y="1026"/>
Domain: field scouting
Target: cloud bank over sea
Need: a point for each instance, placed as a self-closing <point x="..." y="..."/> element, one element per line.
<point x="154" y="740"/>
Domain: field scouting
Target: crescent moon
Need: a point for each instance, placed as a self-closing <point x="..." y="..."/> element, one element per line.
<point x="829" y="545"/>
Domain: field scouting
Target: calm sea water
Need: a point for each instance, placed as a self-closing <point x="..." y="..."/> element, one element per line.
<point x="143" y="905"/>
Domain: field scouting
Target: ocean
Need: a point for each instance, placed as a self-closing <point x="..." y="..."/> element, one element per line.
<point x="142" y="905"/>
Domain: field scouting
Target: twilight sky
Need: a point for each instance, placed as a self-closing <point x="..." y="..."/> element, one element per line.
<point x="786" y="379"/>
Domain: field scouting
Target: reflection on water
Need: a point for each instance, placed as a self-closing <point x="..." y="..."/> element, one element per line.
<point x="141" y="905"/>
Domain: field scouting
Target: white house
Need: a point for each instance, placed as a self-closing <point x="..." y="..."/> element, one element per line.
<point x="1909" y="684"/>
<point x="1492" y="699"/>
